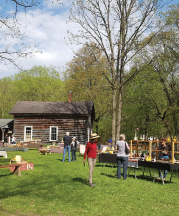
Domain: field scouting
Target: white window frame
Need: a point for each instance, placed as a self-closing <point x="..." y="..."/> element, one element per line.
<point x="25" y="132"/>
<point x="56" y="134"/>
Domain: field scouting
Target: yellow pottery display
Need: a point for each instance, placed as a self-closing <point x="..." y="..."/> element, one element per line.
<point x="148" y="158"/>
<point x="18" y="158"/>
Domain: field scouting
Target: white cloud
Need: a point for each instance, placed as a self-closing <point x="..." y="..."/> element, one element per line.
<point x="47" y="30"/>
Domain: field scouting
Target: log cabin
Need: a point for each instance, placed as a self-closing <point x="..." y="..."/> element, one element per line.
<point x="49" y="121"/>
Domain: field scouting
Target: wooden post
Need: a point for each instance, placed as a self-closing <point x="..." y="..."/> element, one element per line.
<point x="2" y="134"/>
<point x="157" y="149"/>
<point x="150" y="148"/>
<point x="173" y="152"/>
<point x="137" y="149"/>
<point x="131" y="149"/>
<point x="17" y="171"/>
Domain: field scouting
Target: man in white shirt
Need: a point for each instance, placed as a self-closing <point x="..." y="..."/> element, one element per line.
<point x="13" y="139"/>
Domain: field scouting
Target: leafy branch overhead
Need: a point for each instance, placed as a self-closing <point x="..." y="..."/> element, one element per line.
<point x="14" y="44"/>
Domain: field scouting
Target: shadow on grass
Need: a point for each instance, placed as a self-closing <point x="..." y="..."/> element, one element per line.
<point x="99" y="165"/>
<point x="150" y="179"/>
<point x="4" y="160"/>
<point x="30" y="187"/>
<point x="80" y="180"/>
<point x="106" y="165"/>
<point x="81" y="155"/>
<point x="110" y="176"/>
<point x="66" y="160"/>
<point x="6" y="175"/>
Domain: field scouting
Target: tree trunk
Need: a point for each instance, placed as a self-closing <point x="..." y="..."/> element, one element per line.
<point x="114" y="118"/>
<point x="97" y="127"/>
<point x="146" y="126"/>
<point x="175" y="125"/>
<point x="2" y="113"/>
<point x="119" y="117"/>
<point x="120" y="67"/>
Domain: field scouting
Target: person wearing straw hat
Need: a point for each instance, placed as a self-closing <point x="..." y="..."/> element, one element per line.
<point x="91" y="152"/>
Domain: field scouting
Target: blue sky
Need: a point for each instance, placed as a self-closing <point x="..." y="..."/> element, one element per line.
<point x="46" y="28"/>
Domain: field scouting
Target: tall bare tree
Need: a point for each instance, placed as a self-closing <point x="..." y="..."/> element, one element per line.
<point x="117" y="27"/>
<point x="10" y="30"/>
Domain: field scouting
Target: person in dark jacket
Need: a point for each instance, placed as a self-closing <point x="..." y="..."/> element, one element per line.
<point x="74" y="148"/>
<point x="6" y="139"/>
<point x="67" y="146"/>
<point x="164" y="152"/>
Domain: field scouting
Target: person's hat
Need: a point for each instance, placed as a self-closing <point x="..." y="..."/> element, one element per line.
<point x="74" y="138"/>
<point x="94" y="136"/>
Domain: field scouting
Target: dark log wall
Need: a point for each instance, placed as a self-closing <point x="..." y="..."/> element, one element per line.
<point x="41" y="127"/>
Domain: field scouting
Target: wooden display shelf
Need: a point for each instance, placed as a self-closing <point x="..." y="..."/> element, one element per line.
<point x="14" y="161"/>
<point x="136" y="143"/>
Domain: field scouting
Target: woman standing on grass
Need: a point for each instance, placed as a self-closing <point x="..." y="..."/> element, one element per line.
<point x="122" y="157"/>
<point x="91" y="152"/>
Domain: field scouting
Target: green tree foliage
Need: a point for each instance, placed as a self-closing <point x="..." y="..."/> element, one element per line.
<point x="144" y="101"/>
<point x="84" y="77"/>
<point x="165" y="50"/>
<point x="5" y="97"/>
<point x="172" y="16"/>
<point x="38" y="84"/>
<point x="157" y="102"/>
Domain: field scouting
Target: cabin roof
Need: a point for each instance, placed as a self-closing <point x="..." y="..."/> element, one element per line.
<point x="53" y="108"/>
<point x="4" y="123"/>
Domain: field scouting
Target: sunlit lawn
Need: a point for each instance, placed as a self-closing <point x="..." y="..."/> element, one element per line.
<point x="56" y="188"/>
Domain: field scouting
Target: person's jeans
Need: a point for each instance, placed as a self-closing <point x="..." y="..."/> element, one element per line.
<point x="91" y="163"/>
<point x="165" y="174"/>
<point x="124" y="161"/>
<point x="73" y="155"/>
<point x="67" y="148"/>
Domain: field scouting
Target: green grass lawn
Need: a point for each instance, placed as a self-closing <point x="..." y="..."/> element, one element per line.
<point x="56" y="188"/>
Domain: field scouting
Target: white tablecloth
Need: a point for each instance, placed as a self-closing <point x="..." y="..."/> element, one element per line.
<point x="133" y="164"/>
<point x="82" y="149"/>
<point x="3" y="153"/>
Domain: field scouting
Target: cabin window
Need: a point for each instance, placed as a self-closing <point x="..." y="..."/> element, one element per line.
<point x="28" y="133"/>
<point x="53" y="133"/>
